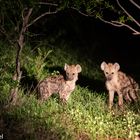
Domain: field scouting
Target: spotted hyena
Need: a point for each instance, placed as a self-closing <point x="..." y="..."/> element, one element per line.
<point x="63" y="85"/>
<point x="137" y="137"/>
<point x="117" y="81"/>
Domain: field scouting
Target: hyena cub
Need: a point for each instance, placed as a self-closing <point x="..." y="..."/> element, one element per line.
<point x="64" y="85"/>
<point x="117" y="81"/>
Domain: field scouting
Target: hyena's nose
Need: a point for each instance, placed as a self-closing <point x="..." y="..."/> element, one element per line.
<point x="109" y="77"/>
<point x="68" y="77"/>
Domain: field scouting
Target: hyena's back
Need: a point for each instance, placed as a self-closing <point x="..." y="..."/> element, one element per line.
<point x="129" y="87"/>
<point x="50" y="85"/>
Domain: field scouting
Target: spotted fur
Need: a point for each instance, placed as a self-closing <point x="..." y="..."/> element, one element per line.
<point x="63" y="85"/>
<point x="117" y="81"/>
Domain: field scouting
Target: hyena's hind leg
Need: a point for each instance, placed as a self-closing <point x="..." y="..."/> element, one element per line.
<point x="127" y="97"/>
<point x="134" y="94"/>
<point x="134" y="91"/>
<point x="130" y="95"/>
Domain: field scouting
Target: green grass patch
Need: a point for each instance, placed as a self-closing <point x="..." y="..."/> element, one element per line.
<point x="85" y="116"/>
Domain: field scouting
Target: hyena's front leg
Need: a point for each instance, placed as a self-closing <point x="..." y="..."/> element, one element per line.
<point x="111" y="98"/>
<point x="64" y="96"/>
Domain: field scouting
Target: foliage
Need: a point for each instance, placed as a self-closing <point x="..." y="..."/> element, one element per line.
<point x="35" y="65"/>
<point x="11" y="11"/>
<point x="6" y="70"/>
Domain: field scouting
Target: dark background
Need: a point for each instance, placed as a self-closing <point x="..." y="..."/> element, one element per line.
<point x="95" y="39"/>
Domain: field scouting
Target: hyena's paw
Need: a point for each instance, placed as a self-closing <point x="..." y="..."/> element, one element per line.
<point x="63" y="101"/>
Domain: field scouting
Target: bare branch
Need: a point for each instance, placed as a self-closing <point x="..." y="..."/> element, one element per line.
<point x="111" y="23"/>
<point x="120" y="24"/>
<point x="135" y="32"/>
<point x="42" y="15"/>
<point x="135" y="4"/>
<point x="47" y="3"/>
<point x="80" y="12"/>
<point x="114" y="23"/>
<point x="24" y="26"/>
<point x="127" y="13"/>
<point x="26" y="19"/>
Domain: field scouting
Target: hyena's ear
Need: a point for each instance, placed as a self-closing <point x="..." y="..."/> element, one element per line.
<point x="79" y="69"/>
<point x="103" y="64"/>
<point x="66" y="66"/>
<point x="117" y="66"/>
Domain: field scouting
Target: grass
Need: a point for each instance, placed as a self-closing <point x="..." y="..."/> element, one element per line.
<point x="84" y="117"/>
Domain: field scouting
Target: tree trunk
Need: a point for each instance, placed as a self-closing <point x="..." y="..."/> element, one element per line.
<point x="20" y="45"/>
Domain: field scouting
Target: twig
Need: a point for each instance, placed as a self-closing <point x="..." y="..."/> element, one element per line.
<point x="120" y="24"/>
<point x="87" y="15"/>
<point x="127" y="13"/>
<point x="126" y="25"/>
<point x="42" y="15"/>
<point x="114" y="23"/>
<point x="47" y="3"/>
<point x="135" y="4"/>
<point x="110" y="22"/>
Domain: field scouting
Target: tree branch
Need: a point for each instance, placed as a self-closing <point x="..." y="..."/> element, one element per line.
<point x="24" y="25"/>
<point x="47" y="3"/>
<point x="87" y="15"/>
<point x="135" y="4"/>
<point x="42" y="15"/>
<point x="120" y="24"/>
<point x="127" y="13"/>
<point x="113" y="23"/>
<point x="135" y="32"/>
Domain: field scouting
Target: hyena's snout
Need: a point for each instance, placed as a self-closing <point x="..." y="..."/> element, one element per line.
<point x="109" y="77"/>
<point x="70" y="76"/>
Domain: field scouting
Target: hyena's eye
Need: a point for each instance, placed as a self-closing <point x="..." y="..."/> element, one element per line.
<point x="106" y="72"/>
<point x="73" y="74"/>
<point x="112" y="73"/>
